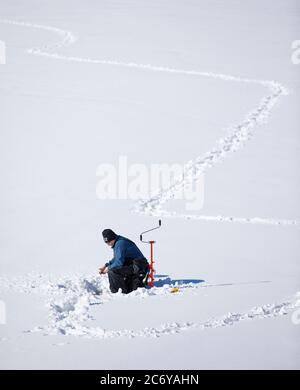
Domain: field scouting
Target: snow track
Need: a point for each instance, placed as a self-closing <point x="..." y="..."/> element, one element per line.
<point x="70" y="299"/>
<point x="237" y="136"/>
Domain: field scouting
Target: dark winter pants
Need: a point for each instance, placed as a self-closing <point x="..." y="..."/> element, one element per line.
<point x="129" y="277"/>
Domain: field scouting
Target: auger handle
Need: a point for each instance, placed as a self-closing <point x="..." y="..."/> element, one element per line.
<point x="150" y="230"/>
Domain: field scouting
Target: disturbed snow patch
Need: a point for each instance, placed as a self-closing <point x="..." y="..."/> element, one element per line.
<point x="69" y="300"/>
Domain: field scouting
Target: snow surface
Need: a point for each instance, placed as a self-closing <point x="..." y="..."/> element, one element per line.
<point x="70" y="300"/>
<point x="160" y="82"/>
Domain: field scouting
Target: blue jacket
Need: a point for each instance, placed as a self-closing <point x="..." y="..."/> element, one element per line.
<point x="124" y="249"/>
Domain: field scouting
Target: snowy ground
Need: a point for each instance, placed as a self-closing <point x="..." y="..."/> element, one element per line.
<point x="160" y="82"/>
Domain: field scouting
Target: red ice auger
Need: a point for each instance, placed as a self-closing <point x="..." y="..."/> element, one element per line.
<point x="151" y="271"/>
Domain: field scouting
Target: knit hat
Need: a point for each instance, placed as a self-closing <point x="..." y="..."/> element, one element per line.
<point x="108" y="235"/>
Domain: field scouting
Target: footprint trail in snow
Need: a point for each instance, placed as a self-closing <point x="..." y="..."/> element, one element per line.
<point x="237" y="136"/>
<point x="69" y="299"/>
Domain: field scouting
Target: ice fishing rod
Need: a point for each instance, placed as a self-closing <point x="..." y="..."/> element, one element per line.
<point x="151" y="270"/>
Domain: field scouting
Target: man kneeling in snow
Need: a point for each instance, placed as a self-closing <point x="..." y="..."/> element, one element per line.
<point x="129" y="268"/>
